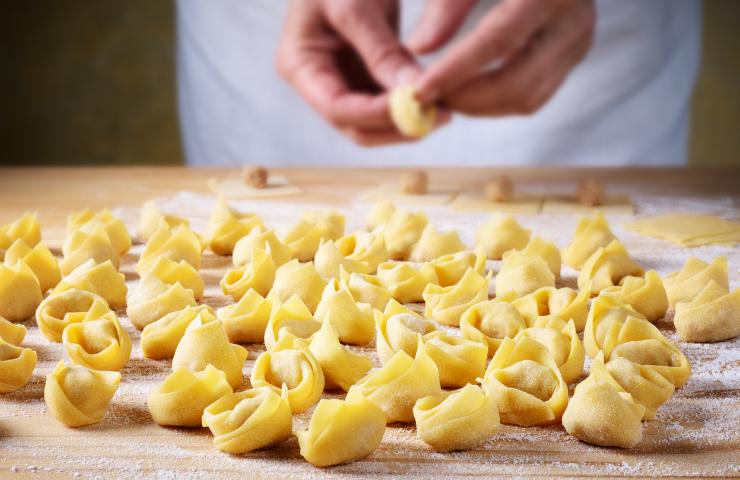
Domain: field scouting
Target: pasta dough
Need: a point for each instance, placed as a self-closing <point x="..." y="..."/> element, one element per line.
<point x="451" y="268"/>
<point x="227" y="225"/>
<point x="410" y="117"/>
<point x="258" y="275"/>
<point x="20" y="292"/>
<point x="152" y="219"/>
<point x="306" y="235"/>
<point x="26" y="228"/>
<point x="646" y="295"/>
<point x="290" y="362"/>
<point x="39" y="259"/>
<point x="235" y="188"/>
<point x="100" y="278"/>
<point x="159" y="339"/>
<point x="712" y="316"/>
<point x="88" y="219"/>
<point x="169" y="271"/>
<point x="433" y="244"/>
<point x="380" y="214"/>
<point x="265" y="240"/>
<point x="477" y="202"/>
<point x="406" y="281"/>
<point x="78" y="396"/>
<point x="607" y="267"/>
<point x="300" y="279"/>
<point x="689" y="230"/>
<point x="402" y="230"/>
<point x="291" y="318"/>
<point x="177" y="244"/>
<point x="16" y="366"/>
<point x="490" y="322"/>
<point x="205" y="343"/>
<point x="561" y="339"/>
<point x="183" y="396"/>
<point x="366" y="289"/>
<point x="458" y="420"/>
<point x="591" y="234"/>
<point x="341" y="431"/>
<point x="460" y="361"/>
<point x="526" y="383"/>
<point x="98" y="342"/>
<point x="342" y="368"/>
<point x="521" y="275"/>
<point x="245" y="421"/>
<point x="61" y="309"/>
<point x="398" y="328"/>
<point x="246" y="320"/>
<point x="447" y="304"/>
<point x="686" y="284"/>
<point x="153" y="299"/>
<point x="13" y="333"/>
<point x="565" y="303"/>
<point x="82" y="245"/>
<point x="354" y="322"/>
<point x="500" y="234"/>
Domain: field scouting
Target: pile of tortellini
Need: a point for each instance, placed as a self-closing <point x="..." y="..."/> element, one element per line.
<point x="453" y="360"/>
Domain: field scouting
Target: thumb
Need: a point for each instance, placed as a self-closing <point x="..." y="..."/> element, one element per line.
<point x="439" y="22"/>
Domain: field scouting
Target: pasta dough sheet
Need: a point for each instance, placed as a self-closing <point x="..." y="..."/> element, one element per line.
<point x="392" y="192"/>
<point x="476" y="202"/>
<point x="689" y="230"/>
<point x="616" y="205"/>
<point x="235" y="188"/>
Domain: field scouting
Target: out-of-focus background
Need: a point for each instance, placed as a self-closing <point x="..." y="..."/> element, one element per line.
<point x="93" y="82"/>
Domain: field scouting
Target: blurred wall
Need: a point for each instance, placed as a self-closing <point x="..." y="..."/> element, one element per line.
<point x="92" y="82"/>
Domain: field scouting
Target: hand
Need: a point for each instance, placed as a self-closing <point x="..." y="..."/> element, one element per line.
<point x="343" y="57"/>
<point x="511" y="63"/>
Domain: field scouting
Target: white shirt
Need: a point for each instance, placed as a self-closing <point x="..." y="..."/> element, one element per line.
<point x="627" y="103"/>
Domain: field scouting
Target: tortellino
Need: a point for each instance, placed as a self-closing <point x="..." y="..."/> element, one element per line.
<point x="290" y="362"/>
<point x="410" y="117"/>
<point x="20" y="292"/>
<point x="16" y="366"/>
<point x="397" y="385"/>
<point x="433" y="244"/>
<point x="169" y="271"/>
<point x="265" y="240"/>
<point x="341" y="431"/>
<point x="342" y="368"/>
<point x="98" y="342"/>
<point x="561" y="339"/>
<point x="402" y="230"/>
<point x="183" y="396"/>
<point x="300" y="279"/>
<point x="490" y="322"/>
<point x="13" y="333"/>
<point x="153" y="299"/>
<point x="459" y="420"/>
<point x="354" y="322"/>
<point x="177" y="244"/>
<point x="606" y="311"/>
<point x="539" y="248"/>
<point x="39" y="259"/>
<point x="359" y="252"/>
<point x="451" y="268"/>
<point x="601" y="415"/>
<point x="159" y="339"/>
<point x="366" y="289"/>
<point x="85" y="244"/>
<point x="447" y="304"/>
<point x="646" y="295"/>
<point x="684" y="285"/>
<point x="227" y="225"/>
<point x="522" y="275"/>
<point x="329" y="261"/>
<point x="114" y="226"/>
<point x="379" y="215"/>
<point x="713" y="315"/>
<point x="26" y="228"/>
<point x="100" y="278"/>
<point x="398" y="328"/>
<point x="152" y="219"/>
<point x="292" y="318"/>
<point x="647" y="387"/>
<point x="590" y="235"/>
<point x="305" y="236"/>
<point x="501" y="234"/>
<point x="245" y="421"/>
<point x="205" y="343"/>
<point x="526" y="383"/>
<point x="78" y="396"/>
<point x="564" y="303"/>
<point x="406" y="281"/>
<point x="246" y="320"/>
<point x="258" y="274"/>
<point x="61" y="309"/>
<point x="607" y="267"/>
<point x="460" y="361"/>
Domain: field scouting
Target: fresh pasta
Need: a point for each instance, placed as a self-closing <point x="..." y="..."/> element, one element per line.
<point x="226" y="226"/>
<point x="258" y="274"/>
<point x="153" y="299"/>
<point x="88" y="243"/>
<point x="20" y="293"/>
<point x="342" y="368"/>
<point x="295" y="278"/>
<point x="460" y="361"/>
<point x="398" y="329"/>
<point x="100" y="278"/>
<point x="16" y="366"/>
<point x="713" y="315"/>
<point x="565" y="303"/>
<point x="159" y="339"/>
<point x="433" y="244"/>
<point x="501" y="234"/>
<point x="98" y="342"/>
<point x="561" y="339"/>
<point x="490" y="322"/>
<point x="39" y="259"/>
<point x="291" y="318"/>
<point x="353" y="321"/>
<point x="262" y="239"/>
<point x="687" y="283"/>
<point x="406" y="281"/>
<point x="61" y="309"/>
<point x="590" y="235"/>
<point x="606" y="267"/>
<point x="115" y="228"/>
<point x="646" y="295"/>
<point x="246" y="320"/>
<point x="447" y="304"/>
<point x="451" y="268"/>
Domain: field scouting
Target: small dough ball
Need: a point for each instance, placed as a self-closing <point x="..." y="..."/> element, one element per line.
<point x="414" y="182"/>
<point x="255" y="176"/>
<point x="590" y="193"/>
<point x="499" y="189"/>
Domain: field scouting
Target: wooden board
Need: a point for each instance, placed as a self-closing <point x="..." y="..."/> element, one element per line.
<point x="697" y="433"/>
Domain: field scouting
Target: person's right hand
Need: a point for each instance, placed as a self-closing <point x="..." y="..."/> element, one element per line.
<point x="343" y="56"/>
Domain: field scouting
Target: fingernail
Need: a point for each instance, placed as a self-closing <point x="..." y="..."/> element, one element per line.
<point x="407" y="75"/>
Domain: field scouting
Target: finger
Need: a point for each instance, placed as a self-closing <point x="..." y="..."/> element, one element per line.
<point x="440" y="20"/>
<point x="388" y="136"/>
<point x="505" y="30"/>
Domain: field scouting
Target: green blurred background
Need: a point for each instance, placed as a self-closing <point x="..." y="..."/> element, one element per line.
<point x="93" y="82"/>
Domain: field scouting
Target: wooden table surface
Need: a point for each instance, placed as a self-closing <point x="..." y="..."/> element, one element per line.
<point x="127" y="444"/>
